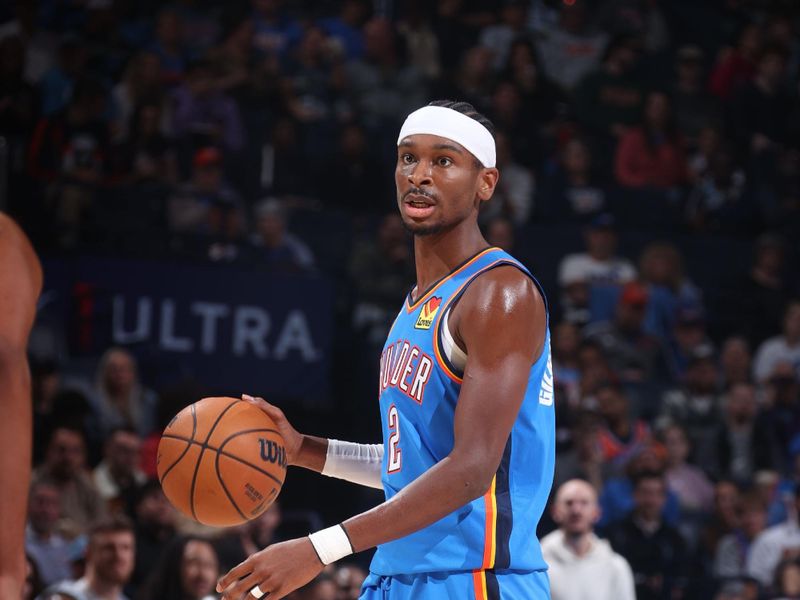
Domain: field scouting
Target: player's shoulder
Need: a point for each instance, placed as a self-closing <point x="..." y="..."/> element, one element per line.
<point x="504" y="288"/>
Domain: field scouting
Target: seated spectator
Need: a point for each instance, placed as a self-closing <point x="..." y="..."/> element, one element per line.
<point x="120" y="397"/>
<point x="498" y="37"/>
<point x="781" y="348"/>
<point x="572" y="191"/>
<point x="781" y="415"/>
<point x="787" y="579"/>
<point x="344" y="29"/>
<point x="275" y="31"/>
<point x="65" y="469"/>
<point x="655" y="550"/>
<point x="736" y="66"/>
<point x="581" y="564"/>
<point x="140" y="81"/>
<point x="118" y="476"/>
<point x="584" y="459"/>
<point x="148" y="156"/>
<point x="168" y="46"/>
<point x="687" y="337"/>
<point x="500" y="233"/>
<point x="43" y="544"/>
<point x="651" y="156"/>
<point x="770" y="546"/>
<point x="275" y="247"/>
<point x="744" y="445"/>
<point x="709" y="141"/>
<point x="109" y="563"/>
<point x="621" y="437"/>
<point x="155" y="528"/>
<point x="235" y="544"/>
<point x="608" y="100"/>
<point x="724" y="519"/>
<point x="188" y="570"/>
<point x="322" y="587"/>
<point x="566" y="341"/>
<point x="349" y="579"/>
<point x="594" y="372"/>
<point x="689" y="483"/>
<point x="697" y="406"/>
<point x="57" y="85"/>
<point x="189" y="208"/>
<point x="508" y="113"/>
<point x="473" y="80"/>
<point x="735" y="361"/>
<point x="633" y="354"/>
<point x="415" y="28"/>
<point x="513" y="196"/>
<point x="718" y="201"/>
<point x="693" y="106"/>
<point x="571" y="49"/>
<point x="202" y="112"/>
<point x="729" y="560"/>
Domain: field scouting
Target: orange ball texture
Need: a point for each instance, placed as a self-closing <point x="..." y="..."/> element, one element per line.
<point x="221" y="461"/>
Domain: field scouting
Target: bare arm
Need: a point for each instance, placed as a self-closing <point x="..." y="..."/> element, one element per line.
<point x="501" y="321"/>
<point x="20" y="284"/>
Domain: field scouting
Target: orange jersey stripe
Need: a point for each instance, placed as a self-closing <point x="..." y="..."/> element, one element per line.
<point x="479" y="582"/>
<point x="490" y="543"/>
<point x="411" y="307"/>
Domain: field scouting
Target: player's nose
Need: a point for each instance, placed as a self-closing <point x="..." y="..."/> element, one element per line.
<point x="420" y="175"/>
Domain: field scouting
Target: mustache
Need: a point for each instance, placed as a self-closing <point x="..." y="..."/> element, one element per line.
<point x="419" y="192"/>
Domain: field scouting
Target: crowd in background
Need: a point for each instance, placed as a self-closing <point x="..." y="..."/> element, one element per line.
<point x="649" y="154"/>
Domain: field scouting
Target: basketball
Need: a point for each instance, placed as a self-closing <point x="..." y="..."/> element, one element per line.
<point x="221" y="461"/>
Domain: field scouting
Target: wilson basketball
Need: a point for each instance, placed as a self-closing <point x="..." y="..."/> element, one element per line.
<point x="221" y="461"/>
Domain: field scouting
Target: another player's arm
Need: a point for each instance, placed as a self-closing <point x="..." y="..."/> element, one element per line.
<point x="501" y="321"/>
<point x="20" y="283"/>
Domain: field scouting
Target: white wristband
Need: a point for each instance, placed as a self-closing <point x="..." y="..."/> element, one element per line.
<point x="331" y="544"/>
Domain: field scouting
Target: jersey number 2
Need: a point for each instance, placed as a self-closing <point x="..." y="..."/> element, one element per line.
<point x="395" y="454"/>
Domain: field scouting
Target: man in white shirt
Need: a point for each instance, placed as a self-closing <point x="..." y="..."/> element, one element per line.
<point x="582" y="566"/>
<point x="771" y="545"/>
<point x="599" y="264"/>
<point x="781" y="348"/>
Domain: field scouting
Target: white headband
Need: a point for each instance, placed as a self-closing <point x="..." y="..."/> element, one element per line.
<point x="453" y="125"/>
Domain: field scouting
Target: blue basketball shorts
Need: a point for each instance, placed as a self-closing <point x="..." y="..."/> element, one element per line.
<point x="460" y="585"/>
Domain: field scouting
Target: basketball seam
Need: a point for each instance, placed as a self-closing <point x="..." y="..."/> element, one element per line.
<point x="225" y="487"/>
<point x="233" y="456"/>
<point x="200" y="458"/>
<point x="185" y="450"/>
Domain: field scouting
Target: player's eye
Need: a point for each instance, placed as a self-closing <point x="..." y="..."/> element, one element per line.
<point x="443" y="161"/>
<point x="407" y="158"/>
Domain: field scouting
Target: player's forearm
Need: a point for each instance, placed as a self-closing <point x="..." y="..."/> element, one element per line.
<point x="15" y="459"/>
<point x="312" y="454"/>
<point x="447" y="486"/>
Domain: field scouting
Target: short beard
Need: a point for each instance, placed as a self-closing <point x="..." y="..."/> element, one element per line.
<point x="423" y="230"/>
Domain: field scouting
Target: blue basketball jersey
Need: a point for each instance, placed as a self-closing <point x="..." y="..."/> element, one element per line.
<point x="418" y="393"/>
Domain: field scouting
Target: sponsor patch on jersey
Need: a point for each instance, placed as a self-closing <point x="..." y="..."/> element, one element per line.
<point x="428" y="312"/>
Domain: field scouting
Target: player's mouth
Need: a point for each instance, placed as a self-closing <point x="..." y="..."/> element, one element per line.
<point x="418" y="206"/>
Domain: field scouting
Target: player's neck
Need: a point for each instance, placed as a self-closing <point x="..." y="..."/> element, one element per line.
<point x="438" y="254"/>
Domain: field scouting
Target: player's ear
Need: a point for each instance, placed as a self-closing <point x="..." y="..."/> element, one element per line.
<point x="487" y="183"/>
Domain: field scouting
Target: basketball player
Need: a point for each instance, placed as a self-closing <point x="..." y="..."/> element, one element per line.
<point x="20" y="284"/>
<point x="466" y="403"/>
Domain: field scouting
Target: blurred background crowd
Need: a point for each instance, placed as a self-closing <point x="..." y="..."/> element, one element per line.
<point x="649" y="155"/>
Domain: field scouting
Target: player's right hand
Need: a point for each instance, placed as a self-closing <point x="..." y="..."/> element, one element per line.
<point x="292" y="439"/>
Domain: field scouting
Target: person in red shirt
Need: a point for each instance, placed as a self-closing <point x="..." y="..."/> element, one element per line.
<point x="652" y="155"/>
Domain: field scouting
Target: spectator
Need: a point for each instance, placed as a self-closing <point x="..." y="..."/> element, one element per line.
<point x="781" y="416"/>
<point x="232" y="60"/>
<point x="622" y="437"/>
<point x="782" y="348"/>
<point x="237" y="543"/>
<point x="770" y="545"/>
<point x="109" y="563"/>
<point x="275" y="247"/>
<point x="608" y="100"/>
<point x="599" y="264"/>
<point x="697" y="406"/>
<point x="148" y="156"/>
<point x="633" y="354"/>
<point x="787" y="579"/>
<point x="655" y="551"/>
<point x="344" y="29"/>
<point x="692" y="487"/>
<point x="566" y="340"/>
<point x="46" y="548"/>
<point x="508" y="113"/>
<point x="743" y="444"/>
<point x="694" y="107"/>
<point x="500" y="233"/>
<point x="203" y="113"/>
<point x="349" y="578"/>
<point x="573" y="191"/>
<point x="168" y="46"/>
<point x="415" y="28"/>
<point x="122" y="400"/>
<point x="155" y="528"/>
<point x="736" y="66"/>
<point x="322" y="587"/>
<point x="118" y="475"/>
<point x="473" y="80"/>
<point x="571" y="50"/>
<point x="513" y="196"/>
<point x="718" y="200"/>
<point x="65" y="469"/>
<point x="735" y="361"/>
<point x="58" y="83"/>
<point x="188" y="570"/>
<point x="724" y="519"/>
<point x="140" y="81"/>
<point x="190" y="207"/>
<point x="652" y="155"/>
<point x="498" y="37"/>
<point x="585" y="458"/>
<point x="275" y="32"/>
<point x="729" y="559"/>
<point x="688" y="335"/>
<point x="581" y="564"/>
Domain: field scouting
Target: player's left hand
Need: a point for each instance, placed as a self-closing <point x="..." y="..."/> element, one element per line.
<point x="276" y="570"/>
